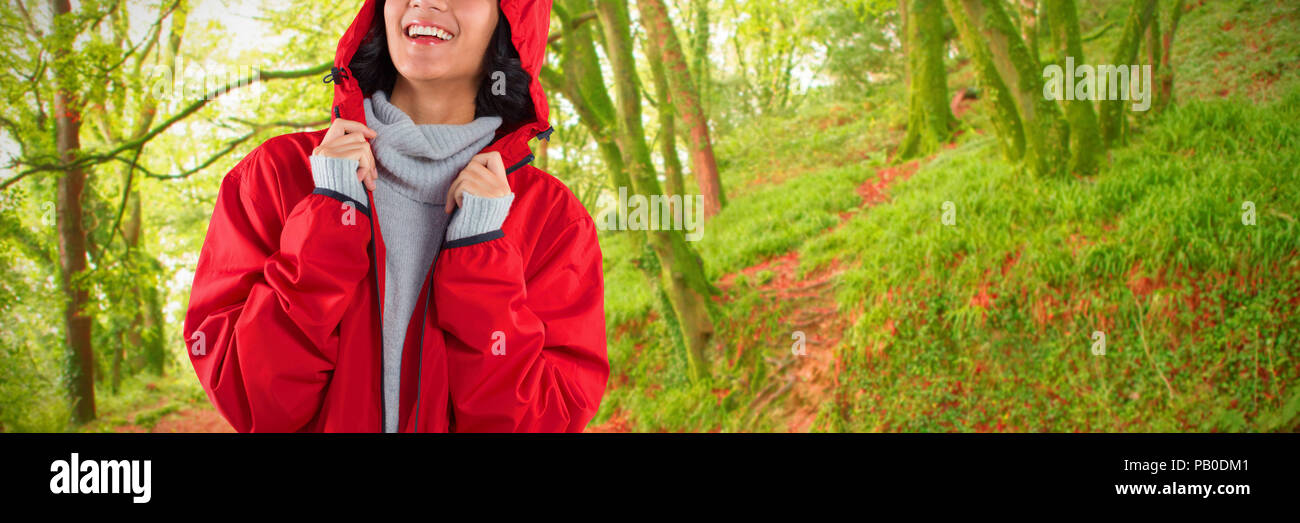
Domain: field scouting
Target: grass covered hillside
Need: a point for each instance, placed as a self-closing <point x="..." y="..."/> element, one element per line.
<point x="958" y="292"/>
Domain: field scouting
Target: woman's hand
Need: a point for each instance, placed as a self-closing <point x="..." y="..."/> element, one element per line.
<point x="485" y="177"/>
<point x="348" y="139"/>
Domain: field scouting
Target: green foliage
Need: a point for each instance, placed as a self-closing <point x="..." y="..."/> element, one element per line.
<point x="859" y="52"/>
<point x="1063" y="258"/>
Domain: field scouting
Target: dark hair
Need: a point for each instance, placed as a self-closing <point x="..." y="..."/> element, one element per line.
<point x="373" y="68"/>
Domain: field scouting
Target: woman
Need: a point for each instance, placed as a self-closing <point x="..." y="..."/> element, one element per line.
<point x="406" y="269"/>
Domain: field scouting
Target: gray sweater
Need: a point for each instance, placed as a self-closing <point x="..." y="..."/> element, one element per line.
<point x="417" y="164"/>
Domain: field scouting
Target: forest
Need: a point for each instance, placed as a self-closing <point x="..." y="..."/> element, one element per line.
<point x="915" y="215"/>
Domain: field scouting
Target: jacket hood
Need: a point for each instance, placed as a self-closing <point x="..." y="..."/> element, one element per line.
<point x="530" y="22"/>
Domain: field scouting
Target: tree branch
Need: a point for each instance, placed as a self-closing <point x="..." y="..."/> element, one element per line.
<point x="27" y="17"/>
<point x="133" y="165"/>
<point x="230" y="147"/>
<point x="97" y="158"/>
<point x="572" y="25"/>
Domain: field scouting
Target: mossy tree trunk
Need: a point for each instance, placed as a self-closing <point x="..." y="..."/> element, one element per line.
<point x="1030" y="16"/>
<point x="985" y="23"/>
<point x="1165" y="91"/>
<point x="1006" y="123"/>
<point x="1112" y="120"/>
<point x="673" y="183"/>
<point x="685" y="97"/>
<point x="1085" y="138"/>
<point x="682" y="269"/>
<point x="71" y="230"/>
<point x="700" y="69"/>
<point x="1152" y="47"/>
<point x="929" y="121"/>
<point x="582" y="83"/>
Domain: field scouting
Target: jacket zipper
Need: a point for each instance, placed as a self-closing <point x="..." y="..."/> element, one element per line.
<point x="379" y="305"/>
<point x="428" y="298"/>
<point x="419" y="372"/>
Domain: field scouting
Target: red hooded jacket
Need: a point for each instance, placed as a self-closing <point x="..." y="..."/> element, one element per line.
<point x="508" y="334"/>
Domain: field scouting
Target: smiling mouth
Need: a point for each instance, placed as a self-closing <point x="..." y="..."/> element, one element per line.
<point x="423" y="32"/>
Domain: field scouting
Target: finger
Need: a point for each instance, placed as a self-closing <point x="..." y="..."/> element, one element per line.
<point x="495" y="164"/>
<point x="363" y="173"/>
<point x="451" y="194"/>
<point x="352" y="145"/>
<point x="471" y="186"/>
<point x="355" y="153"/>
<point x="333" y="131"/>
<point x="455" y="196"/>
<point x="349" y="139"/>
<point x="371" y="173"/>
<point x="349" y="126"/>
<point x="491" y="160"/>
<point x="473" y="170"/>
<point x="467" y="185"/>
<point x="486" y="184"/>
<point x="487" y="175"/>
<point x="367" y="164"/>
<point x="352" y="152"/>
<point x="337" y="128"/>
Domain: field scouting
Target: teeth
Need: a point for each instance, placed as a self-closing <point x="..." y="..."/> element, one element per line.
<point x="424" y="30"/>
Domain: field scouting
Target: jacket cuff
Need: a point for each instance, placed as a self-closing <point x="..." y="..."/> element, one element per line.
<point x="338" y="175"/>
<point x="478" y="216"/>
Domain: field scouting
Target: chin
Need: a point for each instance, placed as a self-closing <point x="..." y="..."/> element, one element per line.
<point x="422" y="74"/>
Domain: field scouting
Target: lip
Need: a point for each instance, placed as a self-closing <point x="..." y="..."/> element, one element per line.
<point x="406" y="33"/>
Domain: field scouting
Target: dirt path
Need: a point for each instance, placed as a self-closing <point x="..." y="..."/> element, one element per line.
<point x="195" y="419"/>
<point x="198" y="417"/>
<point x="800" y="384"/>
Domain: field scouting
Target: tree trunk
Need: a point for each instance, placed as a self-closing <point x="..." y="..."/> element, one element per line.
<point x="700" y="69"/>
<point x="72" y="239"/>
<point x="583" y="84"/>
<point x="1153" y="46"/>
<point x="682" y="269"/>
<point x="684" y="96"/>
<point x="145" y="330"/>
<point x="1126" y="52"/>
<point x="155" y="340"/>
<point x="1085" y="139"/>
<point x="119" y="353"/>
<point x="905" y="47"/>
<point x="1006" y="123"/>
<point x="1165" y="93"/>
<point x="1045" y="133"/>
<point x="929" y="117"/>
<point x="673" y="183"/>
<point x="1029" y="16"/>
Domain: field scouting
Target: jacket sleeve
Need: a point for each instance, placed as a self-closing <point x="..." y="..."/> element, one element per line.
<point x="269" y="293"/>
<point x="525" y="341"/>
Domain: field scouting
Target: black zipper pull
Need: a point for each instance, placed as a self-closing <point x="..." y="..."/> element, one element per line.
<point x="336" y="75"/>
